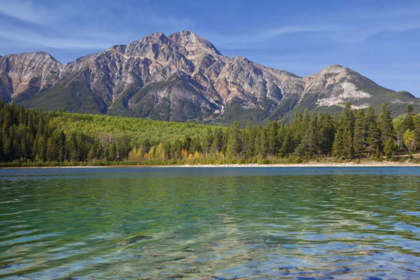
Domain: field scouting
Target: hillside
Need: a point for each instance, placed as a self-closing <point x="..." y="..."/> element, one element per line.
<point x="183" y="77"/>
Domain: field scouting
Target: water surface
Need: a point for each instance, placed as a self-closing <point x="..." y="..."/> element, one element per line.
<point x="210" y="223"/>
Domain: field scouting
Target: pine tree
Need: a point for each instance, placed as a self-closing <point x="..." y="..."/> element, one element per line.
<point x="208" y="140"/>
<point x="373" y="137"/>
<point x="272" y="138"/>
<point x="217" y="144"/>
<point x="343" y="142"/>
<point x="385" y="123"/>
<point x="360" y="131"/>
<point x="234" y="146"/>
<point x="408" y="122"/>
<point x="288" y="147"/>
<point x="390" y="148"/>
<point x="8" y="150"/>
<point x="263" y="143"/>
<point x="309" y="146"/>
<point x="326" y="133"/>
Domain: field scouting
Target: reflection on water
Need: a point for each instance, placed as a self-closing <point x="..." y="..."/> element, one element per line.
<point x="210" y="223"/>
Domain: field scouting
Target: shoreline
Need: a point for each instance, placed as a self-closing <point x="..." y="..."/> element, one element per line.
<point x="309" y="164"/>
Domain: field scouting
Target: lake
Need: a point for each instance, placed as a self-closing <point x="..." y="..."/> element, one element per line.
<point x="210" y="223"/>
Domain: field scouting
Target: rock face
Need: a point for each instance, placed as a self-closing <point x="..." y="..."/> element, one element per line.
<point x="182" y="77"/>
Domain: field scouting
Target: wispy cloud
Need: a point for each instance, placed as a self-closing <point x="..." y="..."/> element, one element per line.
<point x="51" y="42"/>
<point x="344" y="33"/>
<point x="259" y="35"/>
<point x="175" y="22"/>
<point x="36" y="12"/>
<point x="22" y="10"/>
<point x="355" y="35"/>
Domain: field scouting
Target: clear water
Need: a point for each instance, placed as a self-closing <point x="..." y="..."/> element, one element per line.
<point x="210" y="223"/>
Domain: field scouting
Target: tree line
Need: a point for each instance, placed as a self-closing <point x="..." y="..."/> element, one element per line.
<point x="32" y="137"/>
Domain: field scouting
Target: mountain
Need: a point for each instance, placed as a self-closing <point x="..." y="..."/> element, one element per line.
<point x="183" y="77"/>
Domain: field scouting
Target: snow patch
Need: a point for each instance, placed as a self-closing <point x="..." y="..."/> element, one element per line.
<point x="347" y="94"/>
<point x="399" y="101"/>
<point x="361" y="106"/>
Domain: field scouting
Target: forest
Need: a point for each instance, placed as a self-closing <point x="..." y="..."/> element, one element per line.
<point x="35" y="138"/>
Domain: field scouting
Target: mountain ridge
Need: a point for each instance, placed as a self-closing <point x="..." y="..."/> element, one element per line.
<point x="183" y="77"/>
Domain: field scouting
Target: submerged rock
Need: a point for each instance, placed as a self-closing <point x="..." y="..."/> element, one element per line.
<point x="137" y="238"/>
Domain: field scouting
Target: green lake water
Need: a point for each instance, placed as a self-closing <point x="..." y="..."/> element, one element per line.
<point x="210" y="223"/>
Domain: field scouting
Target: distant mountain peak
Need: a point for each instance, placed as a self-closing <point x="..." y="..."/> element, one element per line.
<point x="118" y="48"/>
<point x="333" y="69"/>
<point x="157" y="37"/>
<point x="36" y="55"/>
<point x="192" y="42"/>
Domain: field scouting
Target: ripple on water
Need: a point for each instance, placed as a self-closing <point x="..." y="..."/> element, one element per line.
<point x="251" y="223"/>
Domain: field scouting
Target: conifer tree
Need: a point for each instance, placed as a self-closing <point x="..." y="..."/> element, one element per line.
<point x="272" y="138"/>
<point x="217" y="144"/>
<point x="385" y="123"/>
<point x="408" y="122"/>
<point x="373" y="137"/>
<point x="360" y="131"/>
<point x="287" y="147"/>
<point x="234" y="146"/>
<point x="310" y="142"/>
<point x="343" y="142"/>
<point x="326" y="127"/>
<point x="390" y="148"/>
<point x="263" y="143"/>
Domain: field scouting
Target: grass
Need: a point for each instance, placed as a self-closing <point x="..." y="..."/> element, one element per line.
<point x="138" y="129"/>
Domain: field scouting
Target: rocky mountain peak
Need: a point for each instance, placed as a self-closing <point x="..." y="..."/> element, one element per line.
<point x="28" y="64"/>
<point x="149" y="46"/>
<point x="189" y="43"/>
<point x="118" y="48"/>
<point x="333" y="69"/>
<point x="35" y="56"/>
<point x="154" y="37"/>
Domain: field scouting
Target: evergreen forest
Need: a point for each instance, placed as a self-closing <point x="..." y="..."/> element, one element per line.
<point x="35" y="138"/>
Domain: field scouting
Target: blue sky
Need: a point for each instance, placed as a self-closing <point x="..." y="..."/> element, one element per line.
<point x="379" y="39"/>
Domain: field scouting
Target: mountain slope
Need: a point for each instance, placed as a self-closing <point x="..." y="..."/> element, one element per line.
<point x="183" y="77"/>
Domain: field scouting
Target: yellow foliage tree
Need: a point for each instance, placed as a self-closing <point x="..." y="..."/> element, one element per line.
<point x="408" y="139"/>
<point x="152" y="152"/>
<point x="136" y="154"/>
<point x="184" y="154"/>
<point x="160" y="152"/>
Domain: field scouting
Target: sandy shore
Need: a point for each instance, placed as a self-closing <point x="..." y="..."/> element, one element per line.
<point x="308" y="164"/>
<point x="375" y="164"/>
